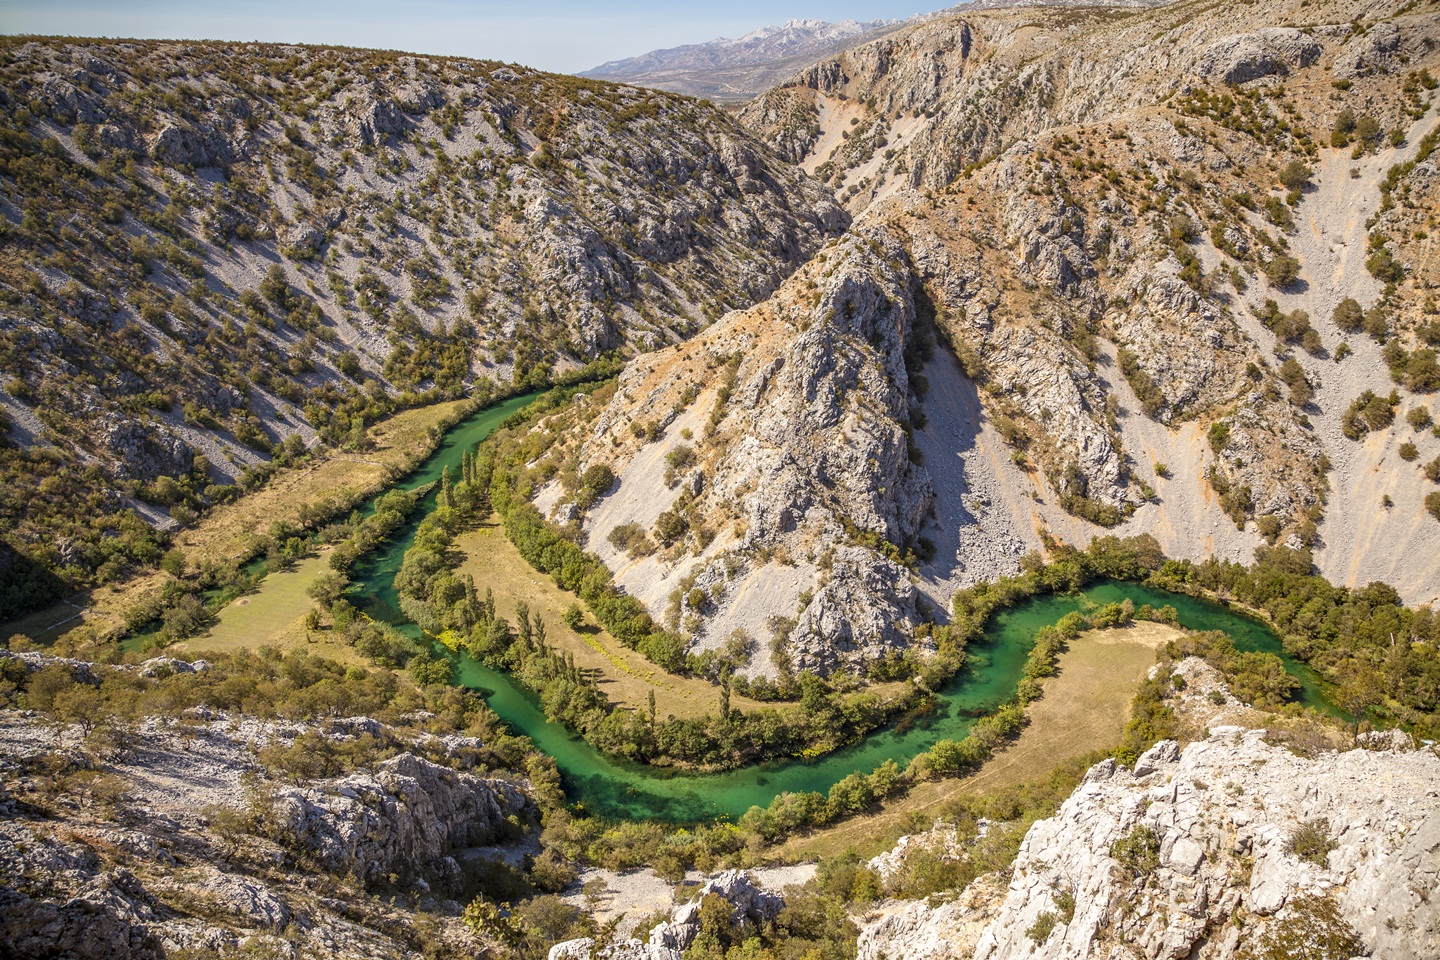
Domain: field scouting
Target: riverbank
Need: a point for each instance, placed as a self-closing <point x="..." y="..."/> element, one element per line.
<point x="229" y="530"/>
<point x="625" y="677"/>
<point x="1083" y="712"/>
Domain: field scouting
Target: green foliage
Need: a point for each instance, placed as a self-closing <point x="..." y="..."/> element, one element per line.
<point x="1311" y="841"/>
<point x="1367" y="412"/>
<point x="1348" y="315"/>
<point x="1138" y="852"/>
<point x="1312" y="928"/>
<point x="1258" y="679"/>
<point x="1219" y="436"/>
<point x="1152" y="400"/>
<point x="1039" y="931"/>
<point x="1282" y="270"/>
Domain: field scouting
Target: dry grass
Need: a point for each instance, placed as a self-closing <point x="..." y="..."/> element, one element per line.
<point x="1084" y="709"/>
<point x="229" y="530"/>
<point x="274" y="615"/>
<point x="399" y="442"/>
<point x="625" y="676"/>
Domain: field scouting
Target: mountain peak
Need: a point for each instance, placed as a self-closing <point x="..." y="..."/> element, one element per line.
<point x="739" y="68"/>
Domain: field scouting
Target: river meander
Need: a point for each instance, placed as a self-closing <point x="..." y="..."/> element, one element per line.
<point x="617" y="789"/>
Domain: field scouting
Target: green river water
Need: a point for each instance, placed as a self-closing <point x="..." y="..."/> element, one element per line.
<point x="618" y="789"/>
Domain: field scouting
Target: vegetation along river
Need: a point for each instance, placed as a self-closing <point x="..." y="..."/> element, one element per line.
<point x="618" y="789"/>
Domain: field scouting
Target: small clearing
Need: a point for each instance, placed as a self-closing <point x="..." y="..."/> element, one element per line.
<point x="274" y="615"/>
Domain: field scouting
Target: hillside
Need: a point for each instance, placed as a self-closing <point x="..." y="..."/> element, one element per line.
<point x="217" y="256"/>
<point x="1143" y="271"/>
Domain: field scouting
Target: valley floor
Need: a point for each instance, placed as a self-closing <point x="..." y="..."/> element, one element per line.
<point x="1083" y="711"/>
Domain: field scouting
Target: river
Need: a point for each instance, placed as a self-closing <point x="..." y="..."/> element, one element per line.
<point x="615" y="788"/>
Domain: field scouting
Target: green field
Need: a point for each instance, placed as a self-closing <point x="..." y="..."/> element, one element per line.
<point x="272" y="615"/>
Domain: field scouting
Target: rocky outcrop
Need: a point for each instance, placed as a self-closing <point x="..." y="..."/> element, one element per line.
<point x="1164" y="858"/>
<point x="670" y="940"/>
<point x="146" y="453"/>
<point x="1273" y="51"/>
<point x="194" y="851"/>
<point x="807" y="456"/>
<point x="406" y="819"/>
<point x="914" y="930"/>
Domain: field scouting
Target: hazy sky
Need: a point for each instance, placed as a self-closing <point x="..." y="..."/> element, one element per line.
<point x="560" y="35"/>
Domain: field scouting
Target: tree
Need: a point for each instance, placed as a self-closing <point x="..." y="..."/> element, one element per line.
<point x="573" y="616"/>
<point x="1294" y="175"/>
<point x="275" y="287"/>
<point x="327" y="588"/>
<point x="1348" y="315"/>
<point x="1282" y="270"/>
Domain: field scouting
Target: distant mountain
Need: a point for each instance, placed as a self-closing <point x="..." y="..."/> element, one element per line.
<point x="725" y="69"/>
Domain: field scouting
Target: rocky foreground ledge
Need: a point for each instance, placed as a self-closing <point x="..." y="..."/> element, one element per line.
<point x="1223" y="849"/>
<point x="173" y="845"/>
<point x="1232" y="847"/>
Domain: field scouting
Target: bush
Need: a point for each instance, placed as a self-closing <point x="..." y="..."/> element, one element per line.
<point x="1313" y="929"/>
<point x="1138" y="852"/>
<point x="1310" y="841"/>
<point x="1282" y="270"/>
<point x="1295" y="175"/>
<point x="1043" y="926"/>
<point x="1219" y="436"/>
<point x="1348" y="315"/>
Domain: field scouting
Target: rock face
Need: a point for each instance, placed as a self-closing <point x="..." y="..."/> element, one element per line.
<point x="670" y="940"/>
<point x="405" y="819"/>
<point x="496" y="220"/>
<point x="194" y="852"/>
<point x="1264" y="53"/>
<point x="1158" y="861"/>
<point x="806" y="457"/>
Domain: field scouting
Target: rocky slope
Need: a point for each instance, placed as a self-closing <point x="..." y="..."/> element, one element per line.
<point x="1091" y="213"/>
<point x="213" y="248"/>
<point x="175" y="839"/>
<point x="1227" y="848"/>
<point x="670" y="939"/>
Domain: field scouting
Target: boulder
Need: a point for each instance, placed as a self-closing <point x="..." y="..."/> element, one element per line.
<point x="1272" y="51"/>
<point x="400" y="820"/>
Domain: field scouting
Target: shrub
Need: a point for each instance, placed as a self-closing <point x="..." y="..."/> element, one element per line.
<point x="1311" y="842"/>
<point x="1219" y="436"/>
<point x="1295" y="175"/>
<point x="1348" y="315"/>
<point x="1282" y="271"/>
<point x="1313" y="928"/>
<point x="1041" y="929"/>
<point x="1138" y="852"/>
<point x="1432" y="504"/>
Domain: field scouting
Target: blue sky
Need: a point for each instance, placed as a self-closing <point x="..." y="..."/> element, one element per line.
<point x="561" y="35"/>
